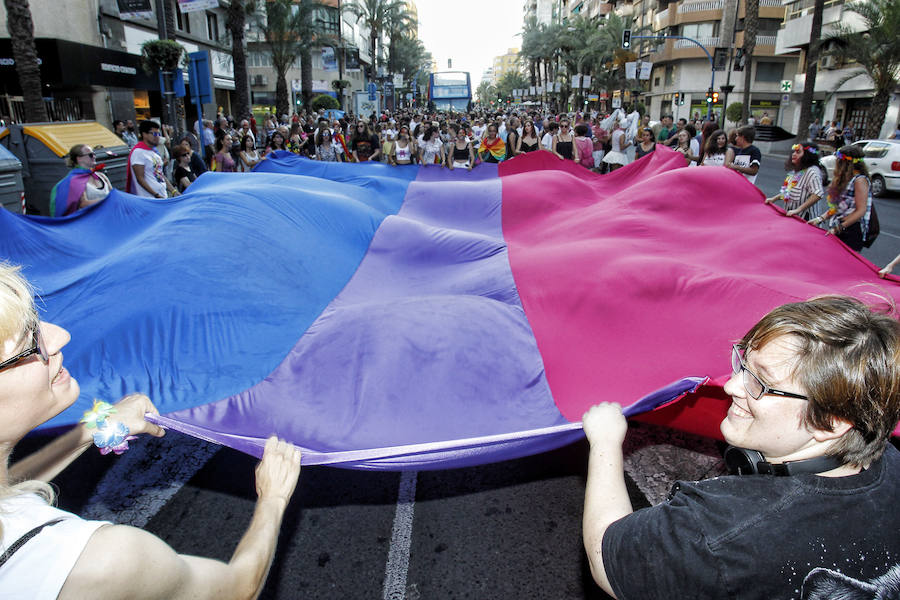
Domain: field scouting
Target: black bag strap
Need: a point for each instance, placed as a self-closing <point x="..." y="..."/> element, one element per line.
<point x="22" y="540"/>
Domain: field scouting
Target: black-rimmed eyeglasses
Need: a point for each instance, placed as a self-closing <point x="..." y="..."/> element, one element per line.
<point x="754" y="386"/>
<point x="36" y="348"/>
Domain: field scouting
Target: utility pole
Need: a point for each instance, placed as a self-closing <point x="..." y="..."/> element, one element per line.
<point x="168" y="77"/>
<point x="340" y="51"/>
<point x="712" y="66"/>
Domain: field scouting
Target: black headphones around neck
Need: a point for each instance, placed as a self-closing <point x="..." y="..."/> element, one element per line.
<point x="741" y="461"/>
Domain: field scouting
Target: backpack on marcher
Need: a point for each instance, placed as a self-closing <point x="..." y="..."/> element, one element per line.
<point x="873" y="230"/>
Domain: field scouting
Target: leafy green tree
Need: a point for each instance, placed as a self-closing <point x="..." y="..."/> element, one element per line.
<point x="374" y="14"/>
<point x="324" y="102"/>
<point x="812" y="59"/>
<point x="508" y="82"/>
<point x="287" y="31"/>
<point x="876" y="50"/>
<point x="485" y="92"/>
<point x="236" y="17"/>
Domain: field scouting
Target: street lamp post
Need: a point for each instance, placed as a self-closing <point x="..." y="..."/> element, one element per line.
<point x="712" y="65"/>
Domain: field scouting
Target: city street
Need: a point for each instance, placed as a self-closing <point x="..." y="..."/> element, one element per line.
<point x="506" y="530"/>
<point x="885" y="248"/>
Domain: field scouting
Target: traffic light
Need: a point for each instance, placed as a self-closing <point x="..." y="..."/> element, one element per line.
<point x="677" y="98"/>
<point x="715" y="97"/>
<point x="709" y="96"/>
<point x="626" y="38"/>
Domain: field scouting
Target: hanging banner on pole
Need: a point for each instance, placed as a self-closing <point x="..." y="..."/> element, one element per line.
<point x="329" y="59"/>
<point x="135" y="9"/>
<point x="557" y="87"/>
<point x="187" y="6"/>
<point x="646" y="67"/>
<point x="585" y="81"/>
<point x="352" y="61"/>
<point x="631" y="70"/>
<point x="576" y="81"/>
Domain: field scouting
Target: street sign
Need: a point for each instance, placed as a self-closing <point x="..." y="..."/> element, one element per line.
<point x="786" y="85"/>
<point x="372" y="90"/>
<point x="785" y="98"/>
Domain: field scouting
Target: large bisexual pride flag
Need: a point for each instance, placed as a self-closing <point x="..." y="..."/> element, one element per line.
<point x="413" y="317"/>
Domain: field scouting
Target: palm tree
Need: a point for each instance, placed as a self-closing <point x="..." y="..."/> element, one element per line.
<point x="531" y="33"/>
<point x="21" y="32"/>
<point x="877" y="51"/>
<point x="812" y="58"/>
<point x="751" y="26"/>
<point x="374" y="14"/>
<point x="485" y="92"/>
<point x="398" y="26"/>
<point x="287" y="30"/>
<point x="235" y="22"/>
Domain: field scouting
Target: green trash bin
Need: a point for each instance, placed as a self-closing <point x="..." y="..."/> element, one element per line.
<point x="41" y="148"/>
<point x="11" y="186"/>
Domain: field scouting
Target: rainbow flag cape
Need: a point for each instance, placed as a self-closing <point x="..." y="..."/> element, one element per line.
<point x="66" y="195"/>
<point x="495" y="149"/>
<point x="419" y="318"/>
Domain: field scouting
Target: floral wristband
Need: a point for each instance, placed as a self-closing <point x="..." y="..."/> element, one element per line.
<point x="110" y="436"/>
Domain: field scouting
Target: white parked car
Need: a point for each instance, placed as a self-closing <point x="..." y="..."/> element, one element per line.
<point x="882" y="157"/>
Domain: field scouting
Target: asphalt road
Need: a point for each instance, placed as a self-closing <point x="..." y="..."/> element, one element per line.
<point x="507" y="530"/>
<point x="885" y="248"/>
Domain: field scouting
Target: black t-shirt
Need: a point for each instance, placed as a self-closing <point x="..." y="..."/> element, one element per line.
<point x="180" y="173"/>
<point x="758" y="536"/>
<point x="364" y="148"/>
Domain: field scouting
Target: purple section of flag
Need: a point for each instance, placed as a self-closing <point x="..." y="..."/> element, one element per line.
<point x="424" y="360"/>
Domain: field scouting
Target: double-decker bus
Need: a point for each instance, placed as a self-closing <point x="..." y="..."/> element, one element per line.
<point x="450" y="90"/>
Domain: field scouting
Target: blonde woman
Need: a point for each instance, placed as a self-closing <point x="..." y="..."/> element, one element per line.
<point x="67" y="557"/>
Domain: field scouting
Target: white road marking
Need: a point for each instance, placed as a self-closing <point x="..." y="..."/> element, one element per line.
<point x="147" y="476"/>
<point x="401" y="536"/>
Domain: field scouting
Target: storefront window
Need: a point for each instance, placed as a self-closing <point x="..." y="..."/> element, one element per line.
<point x="769" y="71"/>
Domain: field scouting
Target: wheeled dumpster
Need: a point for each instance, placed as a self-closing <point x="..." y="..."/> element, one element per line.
<point x="11" y="186"/>
<point x="41" y="148"/>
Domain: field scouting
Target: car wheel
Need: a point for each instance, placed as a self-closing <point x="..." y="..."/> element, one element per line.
<point x="878" y="186"/>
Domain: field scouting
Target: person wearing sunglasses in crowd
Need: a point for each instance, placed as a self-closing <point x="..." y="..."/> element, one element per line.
<point x="849" y="199"/>
<point x="564" y="143"/>
<point x="49" y="553"/>
<point x="802" y="189"/>
<point x="145" y="165"/>
<point x="815" y="396"/>
<point x="84" y="185"/>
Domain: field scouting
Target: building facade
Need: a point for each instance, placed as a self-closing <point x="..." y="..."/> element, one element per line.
<point x="836" y="97"/>
<point x="90" y="59"/>
<point x="543" y="11"/>
<point x="505" y="63"/>
<point x="341" y="52"/>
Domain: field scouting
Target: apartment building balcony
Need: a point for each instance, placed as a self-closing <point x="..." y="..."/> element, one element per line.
<point x="661" y="20"/>
<point x="795" y="32"/>
<point x="672" y="50"/>
<point x="700" y="6"/>
<point x="697" y="11"/>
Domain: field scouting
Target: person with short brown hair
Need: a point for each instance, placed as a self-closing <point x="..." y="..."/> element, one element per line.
<point x="815" y="391"/>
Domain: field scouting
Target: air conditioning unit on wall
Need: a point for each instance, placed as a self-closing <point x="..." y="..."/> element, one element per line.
<point x="828" y="62"/>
